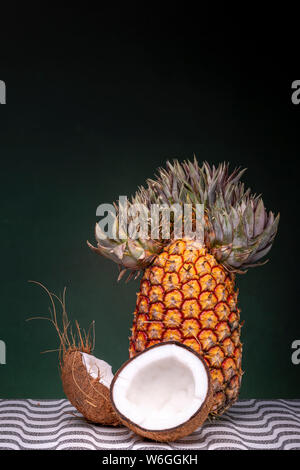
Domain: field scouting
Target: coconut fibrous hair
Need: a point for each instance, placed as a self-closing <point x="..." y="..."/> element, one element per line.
<point x="80" y="340"/>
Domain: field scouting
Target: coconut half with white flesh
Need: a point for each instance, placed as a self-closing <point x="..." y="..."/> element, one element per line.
<point x="163" y="393"/>
<point x="86" y="382"/>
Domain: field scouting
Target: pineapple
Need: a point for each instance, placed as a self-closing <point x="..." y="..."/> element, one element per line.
<point x="187" y="291"/>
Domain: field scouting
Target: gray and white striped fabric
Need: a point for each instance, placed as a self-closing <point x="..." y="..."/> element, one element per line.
<point x="55" y="424"/>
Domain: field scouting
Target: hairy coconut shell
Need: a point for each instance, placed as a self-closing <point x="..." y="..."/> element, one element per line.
<point x="184" y="429"/>
<point x="87" y="395"/>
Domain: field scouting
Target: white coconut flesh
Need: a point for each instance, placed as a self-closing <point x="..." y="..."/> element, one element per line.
<point x="161" y="388"/>
<point x="98" y="369"/>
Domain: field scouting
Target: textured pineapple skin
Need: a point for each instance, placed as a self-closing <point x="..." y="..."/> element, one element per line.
<point x="187" y="296"/>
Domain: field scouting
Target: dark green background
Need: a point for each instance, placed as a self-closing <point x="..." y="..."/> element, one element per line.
<point x="95" y="103"/>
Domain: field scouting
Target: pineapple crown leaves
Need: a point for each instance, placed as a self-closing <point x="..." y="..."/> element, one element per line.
<point x="129" y="254"/>
<point x="238" y="231"/>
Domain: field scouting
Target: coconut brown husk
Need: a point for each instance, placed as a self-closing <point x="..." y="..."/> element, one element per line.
<point x="87" y="394"/>
<point x="177" y="432"/>
<point x="90" y="397"/>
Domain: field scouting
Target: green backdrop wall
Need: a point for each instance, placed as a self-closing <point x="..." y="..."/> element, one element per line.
<point x="91" y="113"/>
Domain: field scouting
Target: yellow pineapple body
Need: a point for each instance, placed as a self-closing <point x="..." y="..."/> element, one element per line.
<point x="187" y="296"/>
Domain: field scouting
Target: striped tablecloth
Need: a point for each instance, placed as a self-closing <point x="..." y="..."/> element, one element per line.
<point x="55" y="424"/>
